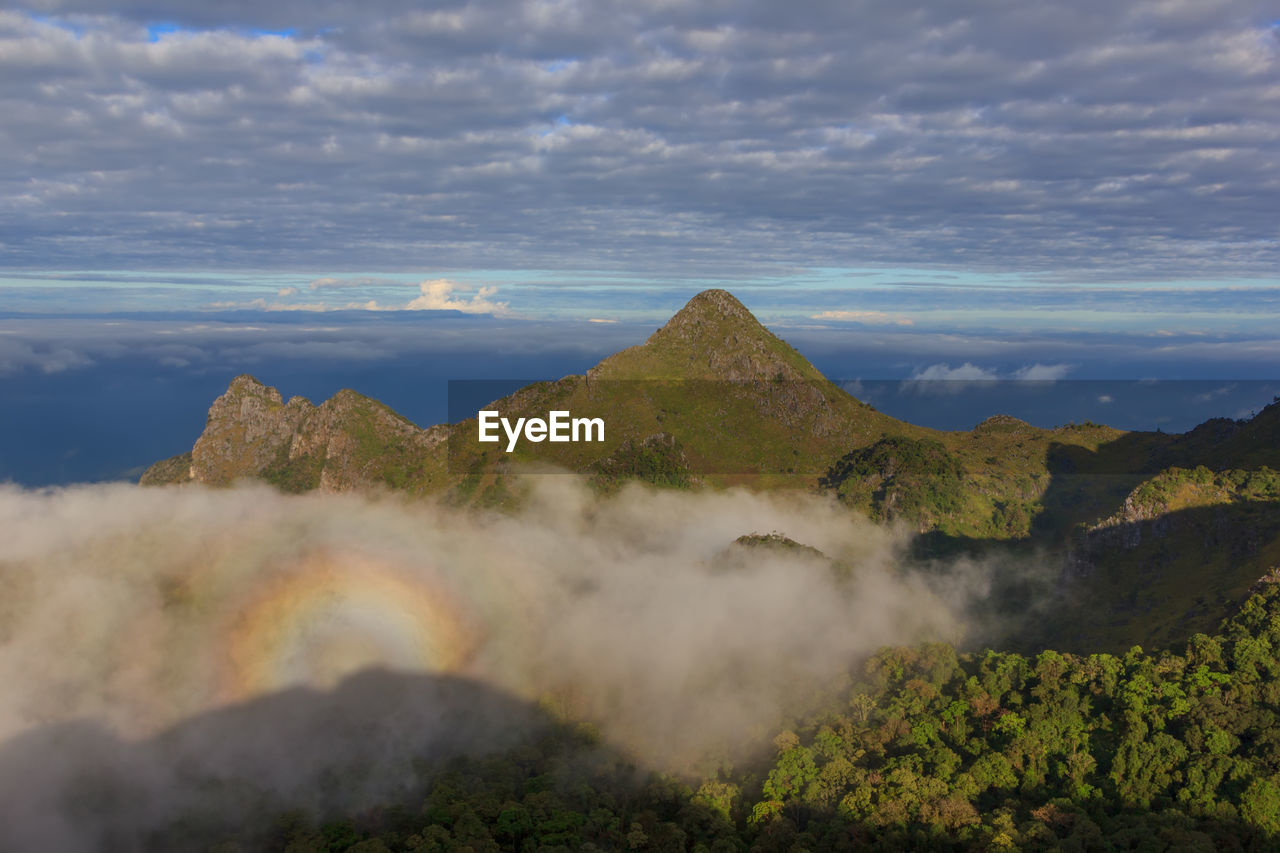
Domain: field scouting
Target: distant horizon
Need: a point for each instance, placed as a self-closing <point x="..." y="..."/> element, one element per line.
<point x="938" y="299"/>
<point x="107" y="411"/>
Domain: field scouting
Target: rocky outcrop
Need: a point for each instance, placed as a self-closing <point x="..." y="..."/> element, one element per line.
<point x="248" y="428"/>
<point x="347" y="442"/>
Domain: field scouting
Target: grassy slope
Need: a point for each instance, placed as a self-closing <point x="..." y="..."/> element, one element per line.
<point x="748" y="409"/>
<point x="1186" y="547"/>
<point x="744" y="405"/>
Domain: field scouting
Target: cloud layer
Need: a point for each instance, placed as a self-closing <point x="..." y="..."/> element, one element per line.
<point x="133" y="610"/>
<point x="1109" y="140"/>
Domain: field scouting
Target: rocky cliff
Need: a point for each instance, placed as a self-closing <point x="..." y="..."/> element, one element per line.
<point x="349" y="441"/>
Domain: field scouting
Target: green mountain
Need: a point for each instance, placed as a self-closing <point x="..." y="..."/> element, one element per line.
<point x="713" y="395"/>
<point x="713" y="398"/>
<point x="733" y="403"/>
<point x="740" y="404"/>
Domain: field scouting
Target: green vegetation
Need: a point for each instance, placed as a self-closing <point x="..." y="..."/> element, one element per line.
<point x="915" y="479"/>
<point x="928" y="749"/>
<point x="1160" y="534"/>
<point x="1183" y="549"/>
<point x="658" y="460"/>
<point x="559" y="792"/>
<point x="744" y="409"/>
<point x="175" y="469"/>
<point x="384" y="446"/>
<point x="1181" y="488"/>
<point x="301" y="474"/>
<point x="1167" y="751"/>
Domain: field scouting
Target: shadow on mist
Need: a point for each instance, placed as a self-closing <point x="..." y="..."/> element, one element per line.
<point x="375" y="739"/>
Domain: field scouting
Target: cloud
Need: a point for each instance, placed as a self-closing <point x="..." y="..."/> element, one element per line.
<point x="1134" y="141"/>
<point x="601" y="320"/>
<point x="322" y="283"/>
<point x="946" y="373"/>
<point x="17" y="355"/>
<point x="943" y="378"/>
<point x="1042" y="372"/>
<point x="1105" y="398"/>
<point x="330" y="283"/>
<point x="873" y="318"/>
<point x="261" y="304"/>
<point x="888" y="352"/>
<point x="222" y="343"/>
<point x="438" y="295"/>
<point x="229" y="614"/>
<point x="1209" y="396"/>
<point x="287" y="291"/>
<point x="973" y="373"/>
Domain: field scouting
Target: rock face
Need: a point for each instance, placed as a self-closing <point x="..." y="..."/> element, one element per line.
<point x="349" y="441"/>
<point x="248" y="428"/>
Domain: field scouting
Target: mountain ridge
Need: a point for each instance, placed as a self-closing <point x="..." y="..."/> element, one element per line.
<point x="712" y="349"/>
<point x="714" y="399"/>
<point x="733" y="403"/>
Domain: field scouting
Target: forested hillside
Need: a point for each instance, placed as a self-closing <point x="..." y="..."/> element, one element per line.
<point x="928" y="749"/>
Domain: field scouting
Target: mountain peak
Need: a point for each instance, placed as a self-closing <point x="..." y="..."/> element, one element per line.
<point x="246" y="385"/>
<point x="712" y="306"/>
<point x="715" y="313"/>
<point x="713" y="336"/>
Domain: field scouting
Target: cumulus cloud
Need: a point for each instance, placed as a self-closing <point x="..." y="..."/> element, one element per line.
<point x="1125" y="140"/>
<point x="438" y="295"/>
<point x="137" y="610"/>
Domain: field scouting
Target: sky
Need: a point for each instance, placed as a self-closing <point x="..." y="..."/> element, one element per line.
<point x="383" y="192"/>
